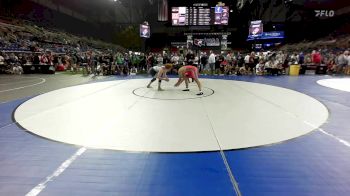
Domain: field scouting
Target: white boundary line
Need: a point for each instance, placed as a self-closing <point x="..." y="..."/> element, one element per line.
<point x="42" y="185"/>
<point x="346" y="143"/>
<point x="22" y="81"/>
<point x="23" y="98"/>
<point x="222" y="154"/>
<point x="335" y="137"/>
<point x="22" y="87"/>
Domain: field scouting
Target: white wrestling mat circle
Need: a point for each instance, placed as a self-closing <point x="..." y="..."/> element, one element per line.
<point x="171" y="93"/>
<point x="342" y="84"/>
<point x="108" y="115"/>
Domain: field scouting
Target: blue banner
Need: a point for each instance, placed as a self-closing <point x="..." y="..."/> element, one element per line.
<point x="268" y="35"/>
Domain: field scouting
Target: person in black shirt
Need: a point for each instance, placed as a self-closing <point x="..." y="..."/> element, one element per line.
<point x="203" y="61"/>
<point x="36" y="60"/>
<point x="166" y="59"/>
<point x="222" y="66"/>
<point x="55" y="61"/>
<point x="23" y="59"/>
<point x="218" y="66"/>
<point x="190" y="58"/>
<point x="143" y="62"/>
<point x="240" y="60"/>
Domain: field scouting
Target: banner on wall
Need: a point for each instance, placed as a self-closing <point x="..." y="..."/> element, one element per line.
<point x="215" y="41"/>
<point x="145" y="30"/>
<point x="256" y="28"/>
<point x="268" y="35"/>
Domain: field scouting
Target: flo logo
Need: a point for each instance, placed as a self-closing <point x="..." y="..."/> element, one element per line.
<point x="324" y="13"/>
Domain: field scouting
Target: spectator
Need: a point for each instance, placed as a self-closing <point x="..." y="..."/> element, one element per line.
<point x="293" y="59"/>
<point x="181" y="60"/>
<point x="166" y="59"/>
<point x="212" y="62"/>
<point x="331" y="67"/>
<point x="17" y="69"/>
<point x="190" y="57"/>
<point x="142" y="64"/>
<point x="342" y="62"/>
<point x="223" y="64"/>
<point x="2" y="59"/>
<point x="246" y="59"/>
<point x="251" y="62"/>
<point x="240" y="60"/>
<point x="204" y="61"/>
<point x="260" y="67"/>
<point x="301" y="58"/>
<point x="160" y="60"/>
<point x="347" y="68"/>
<point x="316" y="57"/>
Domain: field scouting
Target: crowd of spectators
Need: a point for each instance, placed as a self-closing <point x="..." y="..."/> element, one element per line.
<point x="256" y="63"/>
<point x="230" y="63"/>
<point x="28" y="46"/>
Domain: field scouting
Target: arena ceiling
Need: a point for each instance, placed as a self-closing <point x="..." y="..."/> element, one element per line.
<point x="120" y="12"/>
<point x="111" y="16"/>
<point x="112" y="11"/>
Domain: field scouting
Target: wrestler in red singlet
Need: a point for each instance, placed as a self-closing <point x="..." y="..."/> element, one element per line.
<point x="187" y="72"/>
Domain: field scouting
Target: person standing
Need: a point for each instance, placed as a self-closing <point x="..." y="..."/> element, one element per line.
<point x="316" y="57"/>
<point x="2" y="60"/>
<point x="203" y="61"/>
<point x="301" y="59"/>
<point x="347" y="68"/>
<point x="342" y="62"/>
<point x="211" y="62"/>
<point x="190" y="57"/>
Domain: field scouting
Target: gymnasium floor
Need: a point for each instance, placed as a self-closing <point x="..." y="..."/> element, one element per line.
<point x="73" y="135"/>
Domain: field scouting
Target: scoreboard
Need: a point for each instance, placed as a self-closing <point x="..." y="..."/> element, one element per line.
<point x="199" y="16"/>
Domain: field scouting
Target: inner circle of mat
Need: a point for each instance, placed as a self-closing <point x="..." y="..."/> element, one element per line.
<point x="107" y="115"/>
<point x="171" y="93"/>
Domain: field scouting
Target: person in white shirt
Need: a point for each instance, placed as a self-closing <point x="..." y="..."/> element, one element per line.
<point x="159" y="72"/>
<point x="280" y="57"/>
<point x="196" y="61"/>
<point x="211" y="62"/>
<point x="294" y="59"/>
<point x="347" y="68"/>
<point x="247" y="59"/>
<point x="2" y="60"/>
<point x="343" y="62"/>
<point x="175" y="59"/>
<point x="160" y="60"/>
<point x="347" y="57"/>
<point x="260" y="68"/>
